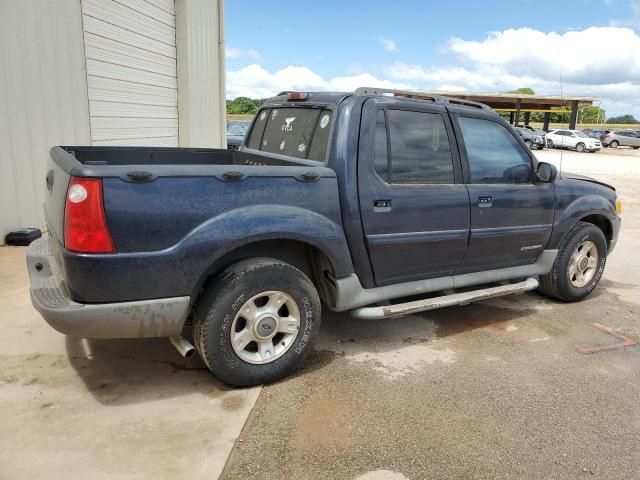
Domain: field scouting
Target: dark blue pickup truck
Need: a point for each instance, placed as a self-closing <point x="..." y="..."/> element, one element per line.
<point x="358" y="201"/>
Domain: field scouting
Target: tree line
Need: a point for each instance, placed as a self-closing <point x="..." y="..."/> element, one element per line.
<point x="249" y="106"/>
<point x="244" y="105"/>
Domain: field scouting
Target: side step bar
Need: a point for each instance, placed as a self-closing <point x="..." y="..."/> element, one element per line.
<point x="393" y="311"/>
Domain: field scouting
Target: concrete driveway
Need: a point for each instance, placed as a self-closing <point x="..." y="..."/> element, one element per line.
<point x="104" y="409"/>
<point x="492" y="390"/>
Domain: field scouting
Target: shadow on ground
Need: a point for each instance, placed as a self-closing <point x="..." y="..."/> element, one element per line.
<point x="121" y="372"/>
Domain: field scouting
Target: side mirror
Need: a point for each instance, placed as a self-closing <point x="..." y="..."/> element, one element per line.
<point x="546" y="172"/>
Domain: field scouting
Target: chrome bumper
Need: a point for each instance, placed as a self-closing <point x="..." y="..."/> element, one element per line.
<point x="162" y="317"/>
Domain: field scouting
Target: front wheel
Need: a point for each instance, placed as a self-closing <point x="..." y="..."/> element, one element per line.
<point x="256" y="321"/>
<point x="579" y="265"/>
<point x="580" y="147"/>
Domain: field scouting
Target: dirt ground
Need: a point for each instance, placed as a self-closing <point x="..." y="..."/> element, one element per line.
<point x="492" y="390"/>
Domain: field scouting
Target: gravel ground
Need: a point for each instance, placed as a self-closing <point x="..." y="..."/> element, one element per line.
<point x="492" y="390"/>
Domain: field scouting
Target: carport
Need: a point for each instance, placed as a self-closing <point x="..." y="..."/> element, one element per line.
<point x="516" y="103"/>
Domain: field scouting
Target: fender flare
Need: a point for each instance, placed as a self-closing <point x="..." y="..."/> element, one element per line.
<point x="581" y="207"/>
<point x="236" y="228"/>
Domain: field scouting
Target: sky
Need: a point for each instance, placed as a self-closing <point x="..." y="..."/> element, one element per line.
<point x="580" y="47"/>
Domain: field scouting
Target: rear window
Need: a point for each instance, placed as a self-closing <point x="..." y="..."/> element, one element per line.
<point x="296" y="132"/>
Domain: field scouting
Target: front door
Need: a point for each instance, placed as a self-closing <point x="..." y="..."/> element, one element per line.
<point x="414" y="206"/>
<point x="511" y="214"/>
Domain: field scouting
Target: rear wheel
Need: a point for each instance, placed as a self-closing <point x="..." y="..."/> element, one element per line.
<point x="256" y="321"/>
<point x="580" y="147"/>
<point x="579" y="265"/>
<point x="614" y="144"/>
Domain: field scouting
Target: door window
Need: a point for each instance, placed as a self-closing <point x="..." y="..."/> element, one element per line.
<point x="494" y="154"/>
<point x="418" y="146"/>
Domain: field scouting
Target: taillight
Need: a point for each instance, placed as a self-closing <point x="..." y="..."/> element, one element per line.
<point x="85" y="224"/>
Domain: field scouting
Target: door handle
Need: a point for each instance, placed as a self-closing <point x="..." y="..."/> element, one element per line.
<point x="382" y="205"/>
<point x="484" y="202"/>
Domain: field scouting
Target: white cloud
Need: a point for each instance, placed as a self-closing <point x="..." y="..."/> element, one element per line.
<point x="388" y="44"/>
<point x="255" y="82"/>
<point x="599" y="61"/>
<point x="238" y="53"/>
<point x="595" y="55"/>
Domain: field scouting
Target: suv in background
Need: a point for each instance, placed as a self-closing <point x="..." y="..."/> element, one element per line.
<point x="532" y="139"/>
<point x="628" y="138"/>
<point x="236" y="130"/>
<point x="574" y="139"/>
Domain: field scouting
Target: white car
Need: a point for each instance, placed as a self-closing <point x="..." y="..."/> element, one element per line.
<point x="575" y="139"/>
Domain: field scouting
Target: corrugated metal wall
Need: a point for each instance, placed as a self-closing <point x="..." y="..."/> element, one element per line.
<point x="43" y="100"/>
<point x="131" y="71"/>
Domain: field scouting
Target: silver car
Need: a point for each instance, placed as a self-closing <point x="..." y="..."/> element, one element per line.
<point x="627" y="138"/>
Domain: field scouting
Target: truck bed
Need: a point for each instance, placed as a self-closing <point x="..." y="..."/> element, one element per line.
<point x="170" y="211"/>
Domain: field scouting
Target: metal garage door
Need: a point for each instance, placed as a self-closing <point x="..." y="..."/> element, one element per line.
<point x="130" y="50"/>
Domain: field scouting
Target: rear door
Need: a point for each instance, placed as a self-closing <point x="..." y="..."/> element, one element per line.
<point x="511" y="214"/>
<point x="414" y="206"/>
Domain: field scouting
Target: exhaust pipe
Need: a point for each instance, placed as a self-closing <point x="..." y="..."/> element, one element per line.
<point x="183" y="346"/>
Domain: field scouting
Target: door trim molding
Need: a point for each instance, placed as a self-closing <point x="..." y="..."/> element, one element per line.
<point x="389" y="239"/>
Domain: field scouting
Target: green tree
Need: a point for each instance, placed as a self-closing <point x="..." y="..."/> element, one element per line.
<point x="592" y="115"/>
<point x="523" y="90"/>
<point x="243" y="105"/>
<point x="622" y="119"/>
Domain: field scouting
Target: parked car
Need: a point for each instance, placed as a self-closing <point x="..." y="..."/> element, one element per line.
<point x="627" y="138"/>
<point x="532" y="140"/>
<point x="594" y="133"/>
<point x="236" y="130"/>
<point x="336" y="201"/>
<point x="574" y="139"/>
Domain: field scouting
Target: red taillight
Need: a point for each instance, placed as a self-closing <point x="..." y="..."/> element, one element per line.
<point x="85" y="224"/>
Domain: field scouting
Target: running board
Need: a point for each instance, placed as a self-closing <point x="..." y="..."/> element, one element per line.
<point x="393" y="311"/>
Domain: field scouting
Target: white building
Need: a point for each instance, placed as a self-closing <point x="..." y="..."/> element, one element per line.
<point x="102" y="72"/>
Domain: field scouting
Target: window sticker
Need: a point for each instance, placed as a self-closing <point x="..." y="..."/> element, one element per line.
<point x="302" y="147"/>
<point x="324" y="121"/>
<point x="274" y="114"/>
<point x="282" y="144"/>
<point x="288" y="127"/>
<point x="263" y="115"/>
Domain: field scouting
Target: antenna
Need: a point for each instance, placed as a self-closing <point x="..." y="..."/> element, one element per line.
<point x="562" y="108"/>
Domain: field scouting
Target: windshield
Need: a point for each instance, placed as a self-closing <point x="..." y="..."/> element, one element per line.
<point x="238" y="127"/>
<point x="300" y="132"/>
<point x="581" y="135"/>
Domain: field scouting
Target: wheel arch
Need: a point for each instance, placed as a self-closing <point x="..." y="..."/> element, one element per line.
<point x="309" y="258"/>
<point x="603" y="223"/>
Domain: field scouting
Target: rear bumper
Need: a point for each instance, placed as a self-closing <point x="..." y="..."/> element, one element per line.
<point x="162" y="317"/>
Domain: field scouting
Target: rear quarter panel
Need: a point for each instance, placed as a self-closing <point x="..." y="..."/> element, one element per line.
<point x="169" y="231"/>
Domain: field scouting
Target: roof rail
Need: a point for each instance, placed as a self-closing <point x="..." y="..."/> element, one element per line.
<point x="419" y="95"/>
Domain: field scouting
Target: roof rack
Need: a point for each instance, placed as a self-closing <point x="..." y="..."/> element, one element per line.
<point x="419" y="95"/>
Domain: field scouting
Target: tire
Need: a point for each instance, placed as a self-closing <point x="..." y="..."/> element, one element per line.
<point x="580" y="147"/>
<point x="635" y="148"/>
<point x="219" y="314"/>
<point x="614" y="144"/>
<point x="558" y="283"/>
<point x="550" y="144"/>
<point x="529" y="144"/>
